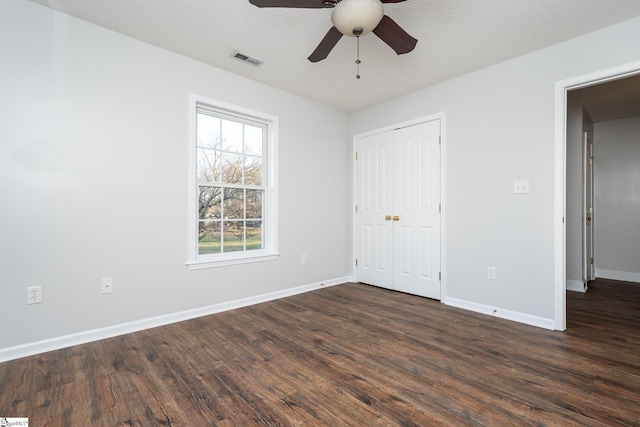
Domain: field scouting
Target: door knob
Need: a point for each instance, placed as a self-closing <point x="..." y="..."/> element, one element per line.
<point x="396" y="218"/>
<point x="387" y="218"/>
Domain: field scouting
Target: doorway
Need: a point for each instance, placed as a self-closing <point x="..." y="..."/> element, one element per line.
<point x="564" y="239"/>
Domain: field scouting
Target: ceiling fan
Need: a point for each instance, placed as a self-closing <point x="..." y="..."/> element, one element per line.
<point x="352" y="18"/>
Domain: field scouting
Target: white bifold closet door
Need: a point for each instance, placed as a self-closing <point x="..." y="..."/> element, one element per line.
<point x="398" y="209"/>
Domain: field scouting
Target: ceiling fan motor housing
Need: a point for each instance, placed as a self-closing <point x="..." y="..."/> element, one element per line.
<point x="349" y="15"/>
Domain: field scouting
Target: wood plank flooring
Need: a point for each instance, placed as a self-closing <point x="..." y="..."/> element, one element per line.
<point x="349" y="355"/>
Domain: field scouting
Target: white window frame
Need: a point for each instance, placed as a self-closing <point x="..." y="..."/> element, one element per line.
<point x="270" y="158"/>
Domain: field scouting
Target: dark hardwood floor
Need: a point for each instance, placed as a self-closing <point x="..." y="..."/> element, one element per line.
<point x="349" y="355"/>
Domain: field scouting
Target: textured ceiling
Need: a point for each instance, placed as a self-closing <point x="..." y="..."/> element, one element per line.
<point x="455" y="37"/>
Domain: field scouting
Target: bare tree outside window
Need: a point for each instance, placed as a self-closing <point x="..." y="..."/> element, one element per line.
<point x="231" y="184"/>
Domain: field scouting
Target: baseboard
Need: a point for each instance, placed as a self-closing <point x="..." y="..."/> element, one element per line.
<point x="576" y="286"/>
<point x="57" y="343"/>
<point x="515" y="316"/>
<point x="625" y="276"/>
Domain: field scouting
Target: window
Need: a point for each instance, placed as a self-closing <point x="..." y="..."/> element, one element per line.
<point x="232" y="185"/>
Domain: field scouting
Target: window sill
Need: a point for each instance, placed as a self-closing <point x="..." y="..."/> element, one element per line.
<point x="232" y="259"/>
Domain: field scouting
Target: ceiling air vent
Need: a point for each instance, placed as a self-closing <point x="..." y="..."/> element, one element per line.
<point x="246" y="58"/>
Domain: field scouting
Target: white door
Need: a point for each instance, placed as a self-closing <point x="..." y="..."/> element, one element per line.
<point x="417" y="209"/>
<point x="588" y="270"/>
<point x="374" y="210"/>
<point x="398" y="219"/>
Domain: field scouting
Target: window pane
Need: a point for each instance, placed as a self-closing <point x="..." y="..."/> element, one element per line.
<point x="255" y="235"/>
<point x="233" y="203"/>
<point x="254" y="204"/>
<point x="232" y="189"/>
<point x="208" y="165"/>
<point x="253" y="170"/>
<point x="233" y="236"/>
<point x="231" y="168"/>
<point x="208" y="131"/>
<point x="209" y="202"/>
<point x="232" y="136"/>
<point x="253" y="140"/>
<point x="209" y="238"/>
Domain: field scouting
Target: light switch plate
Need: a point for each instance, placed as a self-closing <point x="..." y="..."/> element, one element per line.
<point x="521" y="187"/>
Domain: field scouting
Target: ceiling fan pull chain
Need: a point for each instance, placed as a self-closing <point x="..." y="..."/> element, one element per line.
<point x="357" y="32"/>
<point x="358" y="58"/>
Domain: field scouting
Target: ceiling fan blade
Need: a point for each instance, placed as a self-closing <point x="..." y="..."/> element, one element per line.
<point x="393" y="35"/>
<point x="391" y="1"/>
<point x="311" y="4"/>
<point x="332" y="37"/>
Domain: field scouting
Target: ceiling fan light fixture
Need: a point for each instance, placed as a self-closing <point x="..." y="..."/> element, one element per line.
<point x="349" y="15"/>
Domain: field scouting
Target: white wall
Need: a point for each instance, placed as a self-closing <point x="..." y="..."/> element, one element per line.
<point x="617" y="201"/>
<point x="500" y="129"/>
<point x="93" y="165"/>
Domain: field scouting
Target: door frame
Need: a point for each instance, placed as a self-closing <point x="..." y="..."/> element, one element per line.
<point x="354" y="180"/>
<point x="560" y="176"/>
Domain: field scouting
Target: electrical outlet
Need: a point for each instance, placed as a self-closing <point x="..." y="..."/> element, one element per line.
<point x="106" y="286"/>
<point x="34" y="294"/>
<point x="303" y="259"/>
<point x="491" y="273"/>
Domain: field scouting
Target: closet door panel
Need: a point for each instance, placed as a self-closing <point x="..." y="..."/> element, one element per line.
<point x="374" y="238"/>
